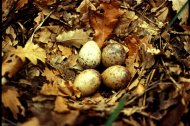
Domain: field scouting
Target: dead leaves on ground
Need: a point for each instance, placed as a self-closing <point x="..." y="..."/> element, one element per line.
<point x="10" y="100"/>
<point x="31" y="51"/>
<point x="158" y="60"/>
<point x="11" y="65"/>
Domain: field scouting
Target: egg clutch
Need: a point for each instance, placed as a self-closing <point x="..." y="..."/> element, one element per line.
<point x="115" y="76"/>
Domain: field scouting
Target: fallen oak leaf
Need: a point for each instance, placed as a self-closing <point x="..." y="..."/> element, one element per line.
<point x="11" y="65"/>
<point x="51" y="75"/>
<point x="84" y="10"/>
<point x="10" y="100"/>
<point x="6" y="8"/>
<point x="65" y="51"/>
<point x="58" y="85"/>
<point x="21" y="4"/>
<point x="104" y="24"/>
<point x="61" y="105"/>
<point x="50" y="89"/>
<point x="148" y="28"/>
<point x="31" y="51"/>
<point x="132" y="62"/>
<point x="31" y="122"/>
<point x="73" y="38"/>
<point x="61" y="89"/>
<point x="85" y="6"/>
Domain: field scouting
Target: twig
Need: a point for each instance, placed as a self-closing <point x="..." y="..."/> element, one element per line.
<point x="179" y="33"/>
<point x="158" y="25"/>
<point x="123" y="102"/>
<point x="9" y="121"/>
<point x="38" y="27"/>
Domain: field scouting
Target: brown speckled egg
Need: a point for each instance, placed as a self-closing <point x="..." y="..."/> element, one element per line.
<point x="88" y="81"/>
<point x="116" y="77"/>
<point x="113" y="54"/>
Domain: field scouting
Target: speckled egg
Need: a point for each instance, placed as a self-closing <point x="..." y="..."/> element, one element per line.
<point x="116" y="77"/>
<point x="88" y="81"/>
<point x="89" y="55"/>
<point x="113" y="54"/>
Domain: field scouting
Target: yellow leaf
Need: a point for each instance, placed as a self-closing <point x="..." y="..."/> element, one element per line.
<point x="73" y="38"/>
<point x="11" y="65"/>
<point x="66" y="51"/>
<point x="44" y="35"/>
<point x="51" y="75"/>
<point x="32" y="122"/>
<point x="10" y="100"/>
<point x="132" y="110"/>
<point x="21" y="4"/>
<point x="61" y="105"/>
<point x="30" y="51"/>
<point x="50" y="89"/>
<point x="84" y="6"/>
<point x="149" y="28"/>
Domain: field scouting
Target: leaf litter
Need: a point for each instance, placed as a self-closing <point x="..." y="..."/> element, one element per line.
<point x="39" y="62"/>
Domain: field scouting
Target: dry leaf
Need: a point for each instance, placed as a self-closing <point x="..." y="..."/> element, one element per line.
<point x="45" y="2"/>
<point x="6" y="7"/>
<point x="84" y="10"/>
<point x="39" y="18"/>
<point x="70" y="90"/>
<point x="85" y="6"/>
<point x="132" y="62"/>
<point x="115" y="97"/>
<point x="50" y="89"/>
<point x="104" y="24"/>
<point x="59" y="85"/>
<point x="177" y="5"/>
<point x="10" y="37"/>
<point x="21" y="4"/>
<point x="175" y="69"/>
<point x="151" y="30"/>
<point x="32" y="122"/>
<point x="139" y="89"/>
<point x="10" y="100"/>
<point x="46" y="34"/>
<point x="30" y="51"/>
<point x="73" y="38"/>
<point x="51" y="75"/>
<point x="140" y="53"/>
<point x="62" y="89"/>
<point x="132" y="121"/>
<point x="162" y="14"/>
<point x="68" y="119"/>
<point x="66" y="51"/>
<point x="132" y="110"/>
<point x="125" y="24"/>
<point x="61" y="105"/>
<point x="43" y="35"/>
<point x="146" y="58"/>
<point x="11" y="65"/>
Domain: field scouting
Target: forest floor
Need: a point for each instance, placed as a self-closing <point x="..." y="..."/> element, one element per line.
<point x="41" y="41"/>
